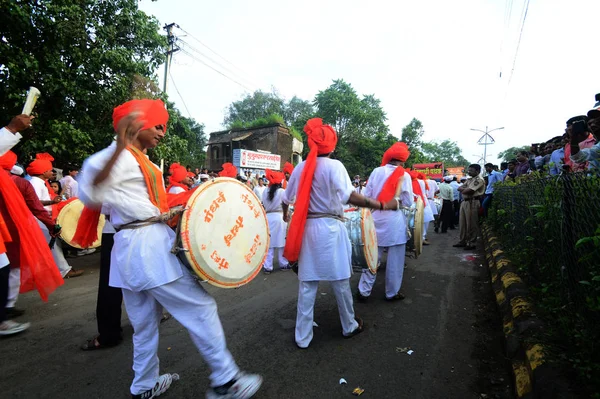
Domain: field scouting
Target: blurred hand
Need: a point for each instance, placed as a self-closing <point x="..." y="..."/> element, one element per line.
<point x="20" y="123"/>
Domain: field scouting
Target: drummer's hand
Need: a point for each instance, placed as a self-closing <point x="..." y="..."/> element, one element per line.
<point x="391" y="205"/>
<point x="57" y="199"/>
<point x="127" y="129"/>
<point x="19" y="123"/>
<point x="55" y="232"/>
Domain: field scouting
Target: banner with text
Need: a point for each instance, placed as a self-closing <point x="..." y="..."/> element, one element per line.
<point x="458" y="171"/>
<point x="256" y="160"/>
<point x="433" y="170"/>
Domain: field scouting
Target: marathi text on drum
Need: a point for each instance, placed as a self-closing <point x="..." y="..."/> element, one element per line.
<point x="210" y="212"/>
<point x="239" y="223"/>
<point x="248" y="201"/>
<point x="257" y="243"/>
<point x="222" y="262"/>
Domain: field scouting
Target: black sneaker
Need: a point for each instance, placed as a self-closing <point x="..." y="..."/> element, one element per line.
<point x="360" y="297"/>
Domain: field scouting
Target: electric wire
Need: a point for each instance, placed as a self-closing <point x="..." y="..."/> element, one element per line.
<point x="180" y="96"/>
<point x="192" y="56"/>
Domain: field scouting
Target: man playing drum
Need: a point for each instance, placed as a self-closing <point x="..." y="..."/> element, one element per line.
<point x="150" y="276"/>
<point x="319" y="187"/>
<point x="386" y="182"/>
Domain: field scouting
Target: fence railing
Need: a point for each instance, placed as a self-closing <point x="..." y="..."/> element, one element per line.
<point x="550" y="226"/>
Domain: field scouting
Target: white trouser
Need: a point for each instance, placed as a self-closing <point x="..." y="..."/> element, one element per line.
<point x="425" y="227"/>
<point x="394" y="271"/>
<point x="14" y="284"/>
<point x="283" y="262"/>
<point x="57" y="252"/>
<point x="3" y="260"/>
<point x="307" y="292"/>
<point x="191" y="306"/>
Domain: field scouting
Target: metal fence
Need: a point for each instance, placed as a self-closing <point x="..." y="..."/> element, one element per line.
<point x="550" y="226"/>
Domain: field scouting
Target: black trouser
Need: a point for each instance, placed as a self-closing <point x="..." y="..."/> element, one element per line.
<point x="447" y="215"/>
<point x="4" y="272"/>
<point x="108" y="307"/>
<point x="456" y="213"/>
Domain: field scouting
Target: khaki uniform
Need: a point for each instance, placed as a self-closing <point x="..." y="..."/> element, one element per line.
<point x="469" y="211"/>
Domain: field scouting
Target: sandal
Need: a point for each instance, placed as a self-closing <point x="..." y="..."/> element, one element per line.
<point x="398" y="297"/>
<point x="94" y="344"/>
<point x="358" y="330"/>
<point x="166" y="316"/>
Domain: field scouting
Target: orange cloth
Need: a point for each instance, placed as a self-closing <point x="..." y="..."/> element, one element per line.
<point x="41" y="164"/>
<point x="38" y="269"/>
<point x="274" y="177"/>
<point x="153" y="179"/>
<point x="322" y="139"/>
<point x="400" y="152"/>
<point x="153" y="113"/>
<point x="415" y="184"/>
<point x="178" y="174"/>
<point x="288" y="168"/>
<point x="8" y="160"/>
<point x="87" y="227"/>
<point x="228" y="170"/>
<point x="421" y="176"/>
<point x="4" y="235"/>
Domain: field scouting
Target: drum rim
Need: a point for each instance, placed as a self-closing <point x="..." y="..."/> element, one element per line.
<point x="363" y="213"/>
<point x="185" y="239"/>
<point x="419" y="237"/>
<point x="101" y="222"/>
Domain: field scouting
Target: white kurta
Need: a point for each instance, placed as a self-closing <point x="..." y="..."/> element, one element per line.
<point x="427" y="213"/>
<point x="176" y="190"/>
<point x="326" y="250"/>
<point x="433" y="188"/>
<point x="70" y="186"/>
<point x="141" y="258"/>
<point x="390" y="225"/>
<point x="8" y="140"/>
<point x="39" y="186"/>
<point x="274" y="209"/>
<point x="259" y="191"/>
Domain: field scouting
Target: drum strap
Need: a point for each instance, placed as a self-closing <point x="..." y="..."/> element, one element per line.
<point x="325" y="215"/>
<point x="274" y="212"/>
<point x="162" y="218"/>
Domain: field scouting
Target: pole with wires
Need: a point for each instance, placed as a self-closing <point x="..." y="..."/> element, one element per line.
<point x="484" y="140"/>
<point x="170" y="51"/>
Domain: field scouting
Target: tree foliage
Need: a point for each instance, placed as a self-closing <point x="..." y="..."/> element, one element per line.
<point x="412" y="135"/>
<point x="511" y="153"/>
<point x="446" y="151"/>
<point x="86" y="57"/>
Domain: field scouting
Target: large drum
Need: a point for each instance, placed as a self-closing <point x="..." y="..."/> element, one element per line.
<point x="67" y="219"/>
<point x="223" y="233"/>
<point x="415" y="218"/>
<point x="363" y="237"/>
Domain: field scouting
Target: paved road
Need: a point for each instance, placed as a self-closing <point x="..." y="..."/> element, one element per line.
<point x="448" y="319"/>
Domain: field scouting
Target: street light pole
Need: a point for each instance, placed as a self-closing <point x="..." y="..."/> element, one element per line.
<point x="483" y="140"/>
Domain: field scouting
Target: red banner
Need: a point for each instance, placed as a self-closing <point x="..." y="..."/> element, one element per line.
<point x="433" y="170"/>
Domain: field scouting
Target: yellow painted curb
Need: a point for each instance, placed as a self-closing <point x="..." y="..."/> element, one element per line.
<point x="494" y="275"/>
<point x="497" y="252"/>
<point x="510" y="278"/>
<point x="519" y="306"/>
<point x="502" y="263"/>
<point x="500" y="298"/>
<point x="508" y="327"/>
<point x="522" y="380"/>
<point x="535" y="355"/>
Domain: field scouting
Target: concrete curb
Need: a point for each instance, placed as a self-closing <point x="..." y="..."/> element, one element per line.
<point x="534" y="378"/>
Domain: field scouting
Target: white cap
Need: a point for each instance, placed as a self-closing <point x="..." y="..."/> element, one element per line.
<point x="448" y="178"/>
<point x="203" y="176"/>
<point x="17" y="170"/>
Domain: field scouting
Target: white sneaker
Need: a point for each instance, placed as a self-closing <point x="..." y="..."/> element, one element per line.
<point x="9" y="327"/>
<point x="245" y="386"/>
<point x="163" y="383"/>
<point x="84" y="252"/>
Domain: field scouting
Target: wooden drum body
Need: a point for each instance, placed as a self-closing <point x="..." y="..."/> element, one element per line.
<point x="67" y="219"/>
<point x="361" y="230"/>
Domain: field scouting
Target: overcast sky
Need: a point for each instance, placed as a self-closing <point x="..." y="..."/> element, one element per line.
<point x="436" y="60"/>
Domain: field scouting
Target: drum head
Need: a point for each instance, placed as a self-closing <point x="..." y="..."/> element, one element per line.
<point x="224" y="233"/>
<point x="418" y="234"/>
<point x="369" y="238"/>
<point x="68" y="218"/>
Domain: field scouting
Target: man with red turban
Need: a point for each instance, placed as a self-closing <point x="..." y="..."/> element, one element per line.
<point x="288" y="169"/>
<point x="179" y="181"/>
<point x="320" y="187"/>
<point x="142" y="265"/>
<point x="40" y="171"/>
<point x="228" y="171"/>
<point x="272" y="199"/>
<point x="387" y="182"/>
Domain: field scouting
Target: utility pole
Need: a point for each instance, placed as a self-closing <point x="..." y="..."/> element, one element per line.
<point x="170" y="51"/>
<point x="483" y="140"/>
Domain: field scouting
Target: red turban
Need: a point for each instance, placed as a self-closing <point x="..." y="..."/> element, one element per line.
<point x="178" y="173"/>
<point x="421" y="176"/>
<point x="191" y="174"/>
<point x="415" y="184"/>
<point x="228" y="170"/>
<point x="41" y="164"/>
<point x="153" y="113"/>
<point x="400" y="152"/>
<point x="397" y="151"/>
<point x="8" y="160"/>
<point x="321" y="140"/>
<point x="288" y="168"/>
<point x="321" y="136"/>
<point x="274" y="177"/>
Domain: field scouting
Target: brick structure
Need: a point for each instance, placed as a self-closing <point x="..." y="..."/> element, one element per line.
<point x="275" y="139"/>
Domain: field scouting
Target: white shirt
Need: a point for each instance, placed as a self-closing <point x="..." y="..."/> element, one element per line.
<point x="70" y="186"/>
<point x="258" y="190"/>
<point x="276" y="204"/>
<point x="8" y="140"/>
<point x="390" y="225"/>
<point x="39" y="186"/>
<point x="274" y="209"/>
<point x="433" y="188"/>
<point x="141" y="258"/>
<point x="176" y="190"/>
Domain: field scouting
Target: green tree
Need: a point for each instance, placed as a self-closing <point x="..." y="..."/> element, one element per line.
<point x="511" y="153"/>
<point x="83" y="55"/>
<point x="254" y="106"/>
<point x="412" y="135"/>
<point x="447" y="152"/>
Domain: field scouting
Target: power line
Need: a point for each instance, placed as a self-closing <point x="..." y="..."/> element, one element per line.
<point x="192" y="56"/>
<point x="526" y="9"/>
<point x="214" y="52"/>
<point x="180" y="96"/>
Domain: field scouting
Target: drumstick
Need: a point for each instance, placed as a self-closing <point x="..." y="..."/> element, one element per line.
<point x="32" y="95"/>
